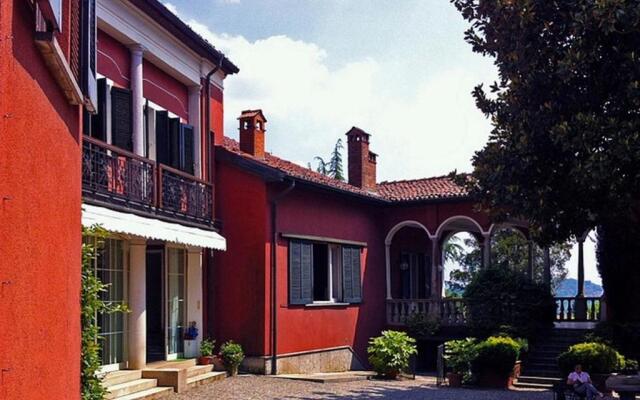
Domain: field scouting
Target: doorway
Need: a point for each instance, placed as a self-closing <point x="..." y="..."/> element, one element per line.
<point x="155" y="333"/>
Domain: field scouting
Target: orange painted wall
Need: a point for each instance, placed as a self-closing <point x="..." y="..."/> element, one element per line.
<point x="40" y="237"/>
<point x="217" y="113"/>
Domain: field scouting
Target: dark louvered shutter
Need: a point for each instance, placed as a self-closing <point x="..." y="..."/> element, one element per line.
<point x="174" y="142"/>
<point x="99" y="120"/>
<point x="186" y="149"/>
<point x="300" y="268"/>
<point x="162" y="138"/>
<point x="351" y="286"/>
<point x="121" y="118"/>
<point x="88" y="53"/>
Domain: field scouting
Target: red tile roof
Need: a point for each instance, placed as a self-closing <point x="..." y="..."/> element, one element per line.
<point x="408" y="190"/>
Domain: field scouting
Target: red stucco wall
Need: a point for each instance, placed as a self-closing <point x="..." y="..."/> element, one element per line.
<point x="217" y="113"/>
<point x="40" y="221"/>
<point x="164" y="90"/>
<point x="237" y="290"/>
<point x="114" y="60"/>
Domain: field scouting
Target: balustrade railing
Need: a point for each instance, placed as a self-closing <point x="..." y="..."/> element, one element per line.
<point x="116" y="176"/>
<point x="450" y="312"/>
<point x="578" y="309"/>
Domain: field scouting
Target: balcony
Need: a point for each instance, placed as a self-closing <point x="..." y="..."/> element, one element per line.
<point x="120" y="179"/>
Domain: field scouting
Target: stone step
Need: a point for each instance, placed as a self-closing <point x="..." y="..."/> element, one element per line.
<point x="542" y="373"/>
<point x="116" y="377"/>
<point x="148" y="394"/>
<point x="125" y="388"/>
<point x="198" y="370"/>
<point x="203" y="379"/>
<point x="527" y="385"/>
<point x="538" y="379"/>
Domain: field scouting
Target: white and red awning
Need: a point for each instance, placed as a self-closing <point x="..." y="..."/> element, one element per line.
<point x="150" y="228"/>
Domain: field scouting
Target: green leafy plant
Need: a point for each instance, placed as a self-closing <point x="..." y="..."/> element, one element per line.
<point x="92" y="304"/>
<point x="206" y="347"/>
<point x="232" y="356"/>
<point x="420" y="325"/>
<point x="497" y="354"/>
<point x="499" y="297"/>
<point x="459" y="354"/>
<point x="594" y="357"/>
<point x="389" y="353"/>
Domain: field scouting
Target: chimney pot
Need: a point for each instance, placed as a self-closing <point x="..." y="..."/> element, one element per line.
<point x="362" y="161"/>
<point x="252" y="130"/>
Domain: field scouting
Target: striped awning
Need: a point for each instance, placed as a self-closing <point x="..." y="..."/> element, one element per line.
<point x="150" y="228"/>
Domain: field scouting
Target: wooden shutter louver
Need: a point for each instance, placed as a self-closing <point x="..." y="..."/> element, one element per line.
<point x="186" y="149"/>
<point x="351" y="281"/>
<point x="162" y="138"/>
<point x="99" y="120"/>
<point x="88" y="37"/>
<point x="300" y="272"/>
<point x="121" y="118"/>
<point x="174" y="142"/>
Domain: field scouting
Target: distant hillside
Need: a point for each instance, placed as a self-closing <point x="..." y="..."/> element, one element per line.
<point x="569" y="287"/>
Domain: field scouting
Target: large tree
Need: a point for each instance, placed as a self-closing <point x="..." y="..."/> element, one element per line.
<point x="564" y="151"/>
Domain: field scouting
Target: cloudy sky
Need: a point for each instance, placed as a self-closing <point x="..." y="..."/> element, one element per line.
<point x="398" y="69"/>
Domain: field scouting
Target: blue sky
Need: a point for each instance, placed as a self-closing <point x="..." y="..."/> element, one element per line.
<point x="398" y="69"/>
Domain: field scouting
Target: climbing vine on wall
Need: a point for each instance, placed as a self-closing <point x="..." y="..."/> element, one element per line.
<point x="92" y="305"/>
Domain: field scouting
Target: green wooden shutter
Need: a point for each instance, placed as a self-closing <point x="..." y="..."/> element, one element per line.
<point x="121" y="118"/>
<point x="174" y="142"/>
<point x="162" y="138"/>
<point x="300" y="272"/>
<point x="186" y="148"/>
<point x="99" y="119"/>
<point x="351" y="281"/>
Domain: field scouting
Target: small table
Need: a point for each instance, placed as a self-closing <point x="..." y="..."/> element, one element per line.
<point x="627" y="386"/>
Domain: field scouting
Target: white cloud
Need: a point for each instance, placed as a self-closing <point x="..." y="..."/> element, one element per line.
<point x="429" y="129"/>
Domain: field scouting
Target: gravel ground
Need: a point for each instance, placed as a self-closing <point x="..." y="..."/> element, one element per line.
<point x="262" y="387"/>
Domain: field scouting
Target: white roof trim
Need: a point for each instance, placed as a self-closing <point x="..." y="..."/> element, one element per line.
<point x="150" y="228"/>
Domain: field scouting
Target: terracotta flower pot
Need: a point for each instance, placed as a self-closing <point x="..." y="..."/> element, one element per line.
<point x="454" y="379"/>
<point x="218" y="365"/>
<point x="205" y="360"/>
<point x="491" y="379"/>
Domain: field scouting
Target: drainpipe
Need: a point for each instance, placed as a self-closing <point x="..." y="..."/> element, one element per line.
<point x="209" y="169"/>
<point x="274" y="297"/>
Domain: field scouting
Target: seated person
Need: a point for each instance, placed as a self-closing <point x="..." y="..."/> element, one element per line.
<point x="581" y="382"/>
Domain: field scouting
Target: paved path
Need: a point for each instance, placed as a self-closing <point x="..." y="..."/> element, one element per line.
<point x="262" y="387"/>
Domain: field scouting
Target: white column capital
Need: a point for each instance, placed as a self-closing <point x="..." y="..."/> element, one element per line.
<point x="137" y="48"/>
<point x="194" y="90"/>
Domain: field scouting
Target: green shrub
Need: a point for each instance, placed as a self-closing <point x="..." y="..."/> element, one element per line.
<point x="499" y="298"/>
<point x="498" y="354"/>
<point x="420" y="325"/>
<point x="596" y="358"/>
<point x="625" y="337"/>
<point x="206" y="347"/>
<point x="232" y="355"/>
<point x="459" y="355"/>
<point x="389" y="353"/>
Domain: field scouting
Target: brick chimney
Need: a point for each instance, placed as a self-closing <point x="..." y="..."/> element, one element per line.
<point x="362" y="162"/>
<point x="252" y="129"/>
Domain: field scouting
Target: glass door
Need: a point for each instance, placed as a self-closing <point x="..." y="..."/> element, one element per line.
<point x="110" y="269"/>
<point x="175" y="302"/>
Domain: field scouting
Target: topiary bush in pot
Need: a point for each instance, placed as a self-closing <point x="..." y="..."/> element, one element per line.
<point x="206" y="351"/>
<point x="495" y="360"/>
<point x="458" y="357"/>
<point x="389" y="353"/>
<point x="232" y="356"/>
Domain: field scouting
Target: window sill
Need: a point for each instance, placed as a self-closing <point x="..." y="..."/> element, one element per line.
<point x="327" y="304"/>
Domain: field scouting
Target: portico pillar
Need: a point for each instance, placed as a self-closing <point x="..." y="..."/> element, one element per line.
<point x="137" y="99"/>
<point x="530" y="263"/>
<point x="547" y="268"/>
<point x="194" y="120"/>
<point x="194" y="297"/>
<point x="436" y="291"/>
<point x="387" y="254"/>
<point x="581" y="304"/>
<point x="137" y="304"/>
<point x="486" y="252"/>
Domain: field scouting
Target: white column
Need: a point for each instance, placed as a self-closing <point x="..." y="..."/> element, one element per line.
<point x="387" y="254"/>
<point x="194" y="294"/>
<point x="137" y="304"/>
<point x="194" y="120"/>
<point x="436" y="260"/>
<point x="137" y="99"/>
<point x="486" y="253"/>
<point x="547" y="267"/>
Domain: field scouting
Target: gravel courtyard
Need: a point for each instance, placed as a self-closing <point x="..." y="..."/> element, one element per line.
<point x="261" y="387"/>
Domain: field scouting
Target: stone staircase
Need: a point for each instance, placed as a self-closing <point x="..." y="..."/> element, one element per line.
<point x="129" y="385"/>
<point x="156" y="383"/>
<point x="540" y="370"/>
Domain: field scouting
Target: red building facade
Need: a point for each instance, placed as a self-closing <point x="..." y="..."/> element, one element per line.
<point x="317" y="266"/>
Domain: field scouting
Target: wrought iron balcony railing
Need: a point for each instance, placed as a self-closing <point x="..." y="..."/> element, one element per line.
<point x="121" y="178"/>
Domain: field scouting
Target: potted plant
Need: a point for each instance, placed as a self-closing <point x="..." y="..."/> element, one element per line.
<point x="206" y="352"/>
<point x="389" y="353"/>
<point x="232" y="355"/>
<point x="458" y="356"/>
<point x="494" y="361"/>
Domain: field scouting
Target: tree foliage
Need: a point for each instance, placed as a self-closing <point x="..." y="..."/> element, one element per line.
<point x="333" y="167"/>
<point x="565" y="144"/>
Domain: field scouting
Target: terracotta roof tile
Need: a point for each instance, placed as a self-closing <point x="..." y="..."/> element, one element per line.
<point x="408" y="190"/>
